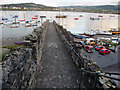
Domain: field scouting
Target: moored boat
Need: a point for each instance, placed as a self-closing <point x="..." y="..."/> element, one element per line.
<point x="61" y="16"/>
<point x="112" y="15"/>
<point x="32" y="21"/>
<point x="22" y="21"/>
<point x="14" y="26"/>
<point x="94" y="18"/>
<point x="100" y="16"/>
<point x="76" y="18"/>
<point x="28" y="25"/>
<point x="80" y="36"/>
<point x="87" y="34"/>
<point x="114" y="31"/>
<point x="19" y="43"/>
<point x="100" y="32"/>
<point x="34" y="25"/>
<point x="34" y="17"/>
<point x="3" y="18"/>
<point x="81" y="16"/>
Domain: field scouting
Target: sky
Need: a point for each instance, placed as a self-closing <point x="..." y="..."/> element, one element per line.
<point x="64" y="2"/>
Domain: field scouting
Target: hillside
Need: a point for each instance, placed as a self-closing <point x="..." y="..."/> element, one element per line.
<point x="39" y="7"/>
<point x="101" y="7"/>
<point x="28" y="5"/>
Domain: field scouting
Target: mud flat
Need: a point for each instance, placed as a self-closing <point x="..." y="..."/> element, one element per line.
<point x="10" y="41"/>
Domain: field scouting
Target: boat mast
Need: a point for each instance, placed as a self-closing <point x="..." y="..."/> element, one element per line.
<point x="24" y="16"/>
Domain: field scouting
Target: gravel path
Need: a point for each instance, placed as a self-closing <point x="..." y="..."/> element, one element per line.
<point x="58" y="69"/>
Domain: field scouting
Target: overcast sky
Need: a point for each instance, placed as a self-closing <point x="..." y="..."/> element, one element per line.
<point x="63" y="2"/>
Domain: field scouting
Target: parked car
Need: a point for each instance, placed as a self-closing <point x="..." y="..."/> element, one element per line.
<point x="89" y="48"/>
<point x="99" y="47"/>
<point x="104" y="51"/>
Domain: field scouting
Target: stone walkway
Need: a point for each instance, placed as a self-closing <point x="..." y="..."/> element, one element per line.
<point x="58" y="70"/>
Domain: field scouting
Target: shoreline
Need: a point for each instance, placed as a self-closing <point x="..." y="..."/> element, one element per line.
<point x="9" y="41"/>
<point x="65" y="11"/>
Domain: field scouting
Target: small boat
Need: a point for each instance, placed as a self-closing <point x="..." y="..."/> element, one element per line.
<point x="14" y="26"/>
<point x="27" y="21"/>
<point x="4" y="18"/>
<point x="81" y="16"/>
<point x="94" y="18"/>
<point x="99" y="32"/>
<point x="80" y="36"/>
<point x="107" y="33"/>
<point x="87" y="34"/>
<point x="114" y="31"/>
<point x="112" y="16"/>
<point x="61" y="16"/>
<point x="100" y="16"/>
<point x="16" y="16"/>
<point x="34" y="17"/>
<point x="32" y="21"/>
<point x="16" y="22"/>
<point x="28" y="25"/>
<point x="22" y="22"/>
<point x="76" y="18"/>
<point x="34" y="25"/>
<point x="19" y="43"/>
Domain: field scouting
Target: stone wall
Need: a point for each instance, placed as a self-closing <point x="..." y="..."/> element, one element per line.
<point x="21" y="65"/>
<point x="84" y="63"/>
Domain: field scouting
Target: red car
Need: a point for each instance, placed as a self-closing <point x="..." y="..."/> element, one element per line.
<point x="99" y="47"/>
<point x="89" y="48"/>
<point x="104" y="51"/>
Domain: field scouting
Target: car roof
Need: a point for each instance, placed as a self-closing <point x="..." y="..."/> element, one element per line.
<point x="104" y="49"/>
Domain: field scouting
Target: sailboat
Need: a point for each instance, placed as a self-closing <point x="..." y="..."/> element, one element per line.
<point x="22" y="21"/>
<point x="60" y="16"/>
<point x="15" y="24"/>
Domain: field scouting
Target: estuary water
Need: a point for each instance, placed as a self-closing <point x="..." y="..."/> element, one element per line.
<point x="81" y="25"/>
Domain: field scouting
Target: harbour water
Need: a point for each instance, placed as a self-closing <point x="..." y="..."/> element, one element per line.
<point x="81" y="25"/>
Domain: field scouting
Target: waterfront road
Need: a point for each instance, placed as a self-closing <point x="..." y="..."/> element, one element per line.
<point x="109" y="62"/>
<point x="58" y="70"/>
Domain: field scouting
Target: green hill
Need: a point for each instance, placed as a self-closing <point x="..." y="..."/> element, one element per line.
<point x="103" y="7"/>
<point x="28" y="5"/>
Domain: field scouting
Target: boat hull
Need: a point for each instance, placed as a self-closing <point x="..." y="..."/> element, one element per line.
<point x="19" y="43"/>
<point x="14" y="26"/>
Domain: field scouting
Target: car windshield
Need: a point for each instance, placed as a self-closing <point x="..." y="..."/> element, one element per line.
<point x="97" y="47"/>
<point x="106" y="50"/>
<point x="91" y="48"/>
<point x="101" y="50"/>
